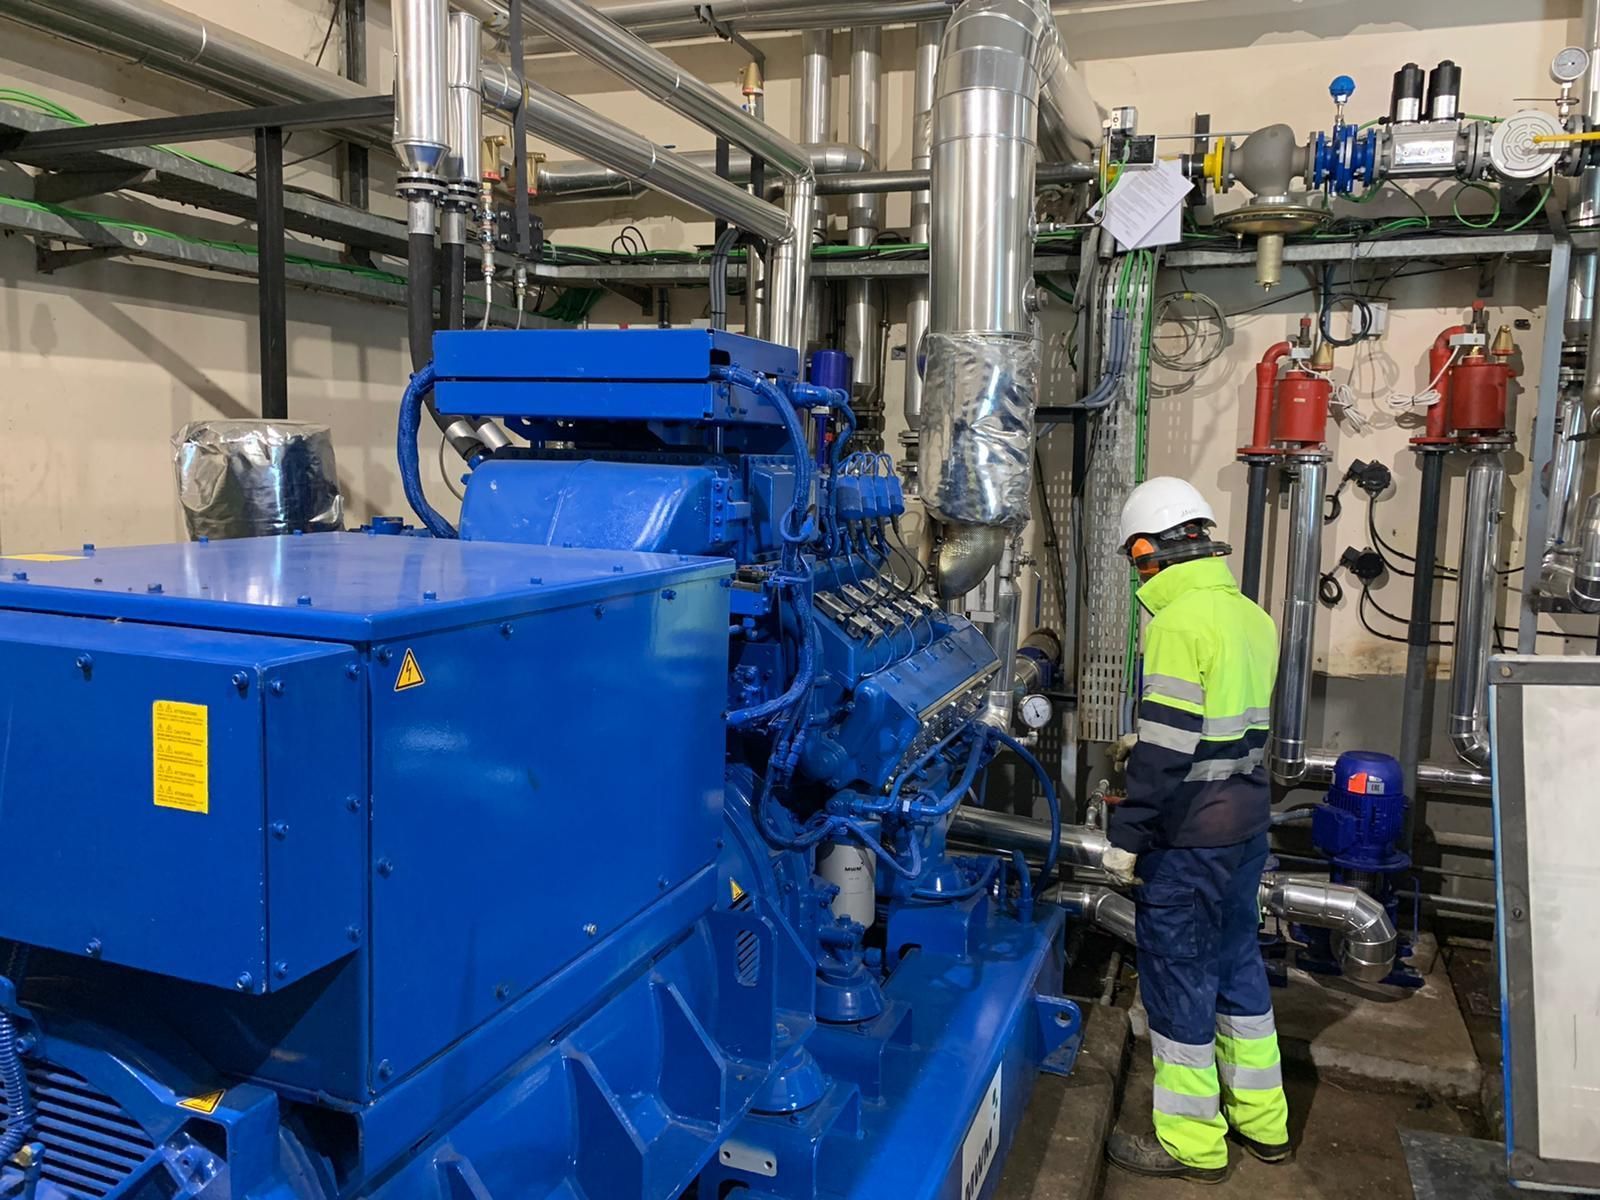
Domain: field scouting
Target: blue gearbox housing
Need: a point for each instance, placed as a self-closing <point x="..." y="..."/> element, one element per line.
<point x="1357" y="827"/>
<point x="591" y="848"/>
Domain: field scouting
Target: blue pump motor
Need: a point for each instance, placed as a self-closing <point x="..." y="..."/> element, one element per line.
<point x="1356" y="827"/>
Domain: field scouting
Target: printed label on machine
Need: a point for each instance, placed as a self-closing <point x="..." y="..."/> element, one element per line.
<point x="181" y="736"/>
<point x="982" y="1143"/>
<point x="410" y="674"/>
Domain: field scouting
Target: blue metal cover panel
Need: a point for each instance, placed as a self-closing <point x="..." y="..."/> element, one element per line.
<point x="178" y="799"/>
<point x="556" y="779"/>
<point x="654" y="355"/>
<point x="347" y="587"/>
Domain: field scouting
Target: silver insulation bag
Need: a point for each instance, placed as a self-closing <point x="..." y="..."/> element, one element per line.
<point x="254" y="478"/>
<point x="977" y="426"/>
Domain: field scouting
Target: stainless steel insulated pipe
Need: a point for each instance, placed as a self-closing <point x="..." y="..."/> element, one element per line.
<point x="609" y="45"/>
<point x="1108" y="911"/>
<point x="816" y="126"/>
<point x="1475" y="607"/>
<point x="929" y="35"/>
<point x="1002" y="87"/>
<point x="583" y="179"/>
<point x="465" y="81"/>
<point x="575" y="127"/>
<point x="421" y="102"/>
<point x="1291" y="699"/>
<point x="1431" y="777"/>
<point x="863" y="298"/>
<point x="1078" y="845"/>
<point x="175" y="42"/>
<point x="1585" y="594"/>
<point x="1364" y="937"/>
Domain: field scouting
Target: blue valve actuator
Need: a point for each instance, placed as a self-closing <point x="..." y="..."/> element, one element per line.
<point x="1342" y="88"/>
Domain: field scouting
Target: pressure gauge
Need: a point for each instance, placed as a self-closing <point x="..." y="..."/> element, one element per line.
<point x="1036" y="711"/>
<point x="1570" y="65"/>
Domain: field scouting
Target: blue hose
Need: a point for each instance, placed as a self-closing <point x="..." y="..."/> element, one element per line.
<point x="406" y="453"/>
<point x="19" y="1100"/>
<point x="1050" y="797"/>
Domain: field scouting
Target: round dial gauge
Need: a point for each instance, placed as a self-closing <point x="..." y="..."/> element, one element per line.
<point x="1570" y="65"/>
<point x="1036" y="711"/>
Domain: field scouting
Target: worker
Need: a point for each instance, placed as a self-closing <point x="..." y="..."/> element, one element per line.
<point x="1190" y="839"/>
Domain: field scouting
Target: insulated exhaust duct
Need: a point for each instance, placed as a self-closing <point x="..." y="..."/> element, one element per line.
<point x="581" y="179"/>
<point x="1291" y="698"/>
<point x="929" y="35"/>
<point x="1003" y="88"/>
<point x="1364" y="937"/>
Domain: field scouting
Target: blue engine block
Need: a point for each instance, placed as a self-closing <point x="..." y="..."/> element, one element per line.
<point x="597" y="852"/>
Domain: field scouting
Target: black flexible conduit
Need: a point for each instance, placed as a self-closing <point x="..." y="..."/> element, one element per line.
<point x="419" y="321"/>
<point x="1255" y="527"/>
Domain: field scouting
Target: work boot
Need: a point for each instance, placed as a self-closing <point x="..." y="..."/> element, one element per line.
<point x="1267" y="1152"/>
<point x="1143" y="1154"/>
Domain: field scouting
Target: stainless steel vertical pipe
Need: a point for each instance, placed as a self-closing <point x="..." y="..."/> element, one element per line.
<point x="863" y="298"/>
<point x="421" y="103"/>
<point x="1475" y="607"/>
<point x="1291" y="699"/>
<point x="816" y="128"/>
<point x="607" y="44"/>
<point x="929" y="34"/>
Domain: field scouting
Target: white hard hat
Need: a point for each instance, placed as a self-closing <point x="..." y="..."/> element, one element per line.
<point x="1160" y="504"/>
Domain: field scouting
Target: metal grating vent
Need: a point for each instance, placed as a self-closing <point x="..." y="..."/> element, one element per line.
<point x="1115" y="467"/>
<point x="91" y="1145"/>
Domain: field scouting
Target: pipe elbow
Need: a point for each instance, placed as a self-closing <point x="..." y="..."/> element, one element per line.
<point x="1103" y="908"/>
<point x="1472" y="746"/>
<point x="1364" y="937"/>
<point x="1273" y="354"/>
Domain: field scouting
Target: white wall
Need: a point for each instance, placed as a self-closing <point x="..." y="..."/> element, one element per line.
<point x="101" y="363"/>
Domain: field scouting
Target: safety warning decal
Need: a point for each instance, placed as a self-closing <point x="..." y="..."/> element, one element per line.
<point x="206" y="1103"/>
<point x="410" y="674"/>
<point x="43" y="557"/>
<point x="182" y="739"/>
<point x="735" y="890"/>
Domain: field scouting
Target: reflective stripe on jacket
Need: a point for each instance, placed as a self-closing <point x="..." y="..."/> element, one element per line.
<point x="1198" y="775"/>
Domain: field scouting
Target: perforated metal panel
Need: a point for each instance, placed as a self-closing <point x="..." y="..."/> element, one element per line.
<point x="1116" y="465"/>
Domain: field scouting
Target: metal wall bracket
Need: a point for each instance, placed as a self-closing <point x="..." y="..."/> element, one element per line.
<point x="54" y="187"/>
<point x="47" y="260"/>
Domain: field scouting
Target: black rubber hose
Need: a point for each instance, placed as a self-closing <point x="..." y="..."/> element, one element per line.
<point x="419" y="321"/>
<point x="452" y="285"/>
<point x="419" y="299"/>
<point x="1255" y="528"/>
<point x="1419" y="635"/>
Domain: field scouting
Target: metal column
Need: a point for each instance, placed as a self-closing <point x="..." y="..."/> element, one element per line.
<point x="1543" y="447"/>
<point x="273" y="283"/>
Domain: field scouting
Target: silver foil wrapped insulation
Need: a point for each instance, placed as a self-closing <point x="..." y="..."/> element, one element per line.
<point x="977" y="427"/>
<point x="255" y="478"/>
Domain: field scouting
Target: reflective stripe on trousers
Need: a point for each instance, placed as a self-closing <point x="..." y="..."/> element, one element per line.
<point x="1187" y="1103"/>
<point x="1250" y="1072"/>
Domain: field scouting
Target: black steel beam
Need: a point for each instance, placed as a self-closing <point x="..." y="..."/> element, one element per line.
<point x="160" y="131"/>
<point x="274" y="284"/>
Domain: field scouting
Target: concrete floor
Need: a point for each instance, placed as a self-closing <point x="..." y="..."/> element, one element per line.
<point x="1347" y="1144"/>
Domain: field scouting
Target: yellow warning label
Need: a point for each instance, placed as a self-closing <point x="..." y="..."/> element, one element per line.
<point x="410" y="674"/>
<point x="206" y="1103"/>
<point x="738" y="892"/>
<point x="182" y="755"/>
<point x="43" y="557"/>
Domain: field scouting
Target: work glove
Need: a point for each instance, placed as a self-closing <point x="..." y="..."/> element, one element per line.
<point x="1119" y="865"/>
<point x="1121" y="749"/>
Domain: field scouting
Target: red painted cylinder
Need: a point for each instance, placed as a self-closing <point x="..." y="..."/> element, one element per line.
<point x="1301" y="414"/>
<point x="1478" y="396"/>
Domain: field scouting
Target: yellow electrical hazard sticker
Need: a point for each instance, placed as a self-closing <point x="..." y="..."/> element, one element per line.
<point x="735" y="890"/>
<point x="43" y="557"/>
<point x="182" y="755"/>
<point x="208" y="1103"/>
<point x="410" y="674"/>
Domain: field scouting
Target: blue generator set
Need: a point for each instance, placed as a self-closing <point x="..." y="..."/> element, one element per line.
<point x="1357" y="827"/>
<point x="594" y="848"/>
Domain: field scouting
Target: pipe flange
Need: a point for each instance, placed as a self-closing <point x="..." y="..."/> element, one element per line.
<point x="1486" y="444"/>
<point x="1290" y="213"/>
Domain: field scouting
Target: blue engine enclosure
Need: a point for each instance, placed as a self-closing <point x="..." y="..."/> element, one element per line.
<point x="396" y="867"/>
